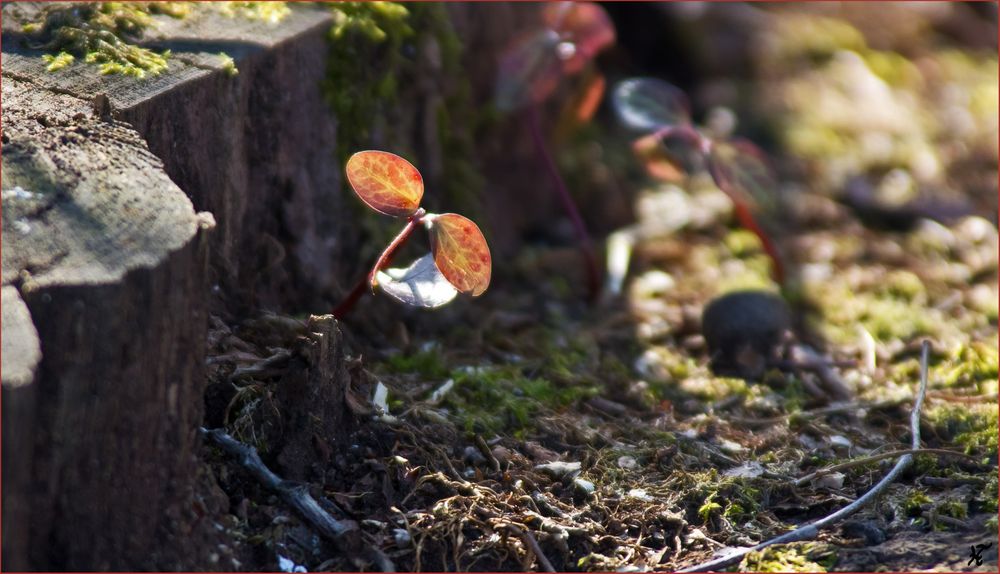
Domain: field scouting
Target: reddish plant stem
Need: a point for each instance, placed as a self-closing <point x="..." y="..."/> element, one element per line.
<point x="746" y="220"/>
<point x="745" y="216"/>
<point x="367" y="282"/>
<point x="593" y="271"/>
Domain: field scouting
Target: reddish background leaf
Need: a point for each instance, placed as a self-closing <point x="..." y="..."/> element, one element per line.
<point x="461" y="253"/>
<point x="586" y="25"/>
<point x="385" y="182"/>
<point x="529" y="71"/>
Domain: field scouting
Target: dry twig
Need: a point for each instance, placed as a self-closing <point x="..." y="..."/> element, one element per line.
<point x="876" y="458"/>
<point x="532" y="544"/>
<point x="344" y="534"/>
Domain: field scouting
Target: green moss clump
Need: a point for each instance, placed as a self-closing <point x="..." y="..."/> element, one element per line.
<point x="101" y="33"/>
<point x="228" y="64"/>
<point x="742" y="242"/>
<point x="888" y="313"/>
<point x="987" y="499"/>
<point x="738" y="500"/>
<point x="973" y="426"/>
<point x="795" y="557"/>
<point x="57" y="62"/>
<point x="106" y="33"/>
<point x="428" y="364"/>
<point x="502" y="399"/>
<point x="971" y="365"/>
<point x="273" y="12"/>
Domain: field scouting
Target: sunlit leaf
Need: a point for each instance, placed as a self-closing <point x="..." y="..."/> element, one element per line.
<point x="741" y="170"/>
<point x="671" y="154"/>
<point x="460" y="252"/>
<point x="529" y="71"/>
<point x="648" y="104"/>
<point x="385" y="182"/>
<point x="585" y="29"/>
<point x="420" y="285"/>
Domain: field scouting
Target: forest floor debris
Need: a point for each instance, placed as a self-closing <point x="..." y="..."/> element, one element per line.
<point x="528" y="431"/>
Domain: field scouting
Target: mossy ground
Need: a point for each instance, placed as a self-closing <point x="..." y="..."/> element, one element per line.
<point x="674" y="462"/>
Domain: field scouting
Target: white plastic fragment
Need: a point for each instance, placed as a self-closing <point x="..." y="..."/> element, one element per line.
<point x="868" y="349"/>
<point x="751" y="469"/>
<point x="286" y="565"/>
<point x="440" y="392"/>
<point x="833" y="481"/>
<point x="619" y="246"/>
<point x="640" y="494"/>
<point x="380" y="400"/>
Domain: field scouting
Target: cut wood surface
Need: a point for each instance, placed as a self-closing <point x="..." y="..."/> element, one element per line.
<point x="20" y="341"/>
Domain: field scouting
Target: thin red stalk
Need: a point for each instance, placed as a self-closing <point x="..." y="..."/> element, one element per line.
<point x="367" y="282"/>
<point x="593" y="272"/>
<point x="744" y="215"/>
<point x="746" y="220"/>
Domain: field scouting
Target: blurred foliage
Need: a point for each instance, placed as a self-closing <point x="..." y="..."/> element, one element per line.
<point x="848" y="108"/>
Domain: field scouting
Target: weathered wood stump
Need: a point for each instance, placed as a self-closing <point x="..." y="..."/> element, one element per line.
<point x="104" y="249"/>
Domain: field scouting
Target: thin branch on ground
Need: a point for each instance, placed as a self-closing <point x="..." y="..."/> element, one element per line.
<point x="344" y="534"/>
<point x="812" y="530"/>
<point x="834" y="409"/>
<point x="878" y="457"/>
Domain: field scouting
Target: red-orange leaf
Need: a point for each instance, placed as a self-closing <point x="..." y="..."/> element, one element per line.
<point x="386" y="182"/>
<point x="461" y="253"/>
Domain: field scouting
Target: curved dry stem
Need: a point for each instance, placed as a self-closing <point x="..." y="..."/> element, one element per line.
<point x="811" y="530"/>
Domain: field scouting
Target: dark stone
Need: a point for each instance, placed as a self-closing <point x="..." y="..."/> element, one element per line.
<point x="744" y="330"/>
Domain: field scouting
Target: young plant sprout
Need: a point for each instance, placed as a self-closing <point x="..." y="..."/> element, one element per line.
<point x="531" y="70"/>
<point x="672" y="147"/>
<point x="459" y="261"/>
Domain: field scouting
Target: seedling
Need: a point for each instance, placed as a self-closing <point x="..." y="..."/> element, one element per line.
<point x="530" y="71"/>
<point x="672" y="146"/>
<point x="459" y="261"/>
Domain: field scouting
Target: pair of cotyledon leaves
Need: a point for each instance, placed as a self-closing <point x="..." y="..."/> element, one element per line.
<point x="572" y="34"/>
<point x="459" y="260"/>
<point x="661" y="110"/>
